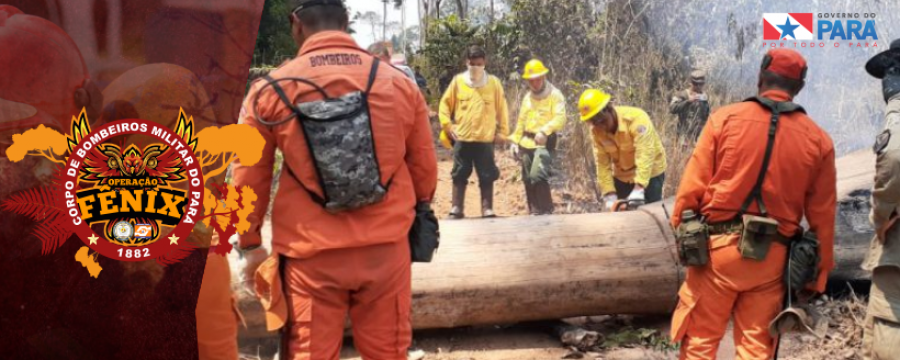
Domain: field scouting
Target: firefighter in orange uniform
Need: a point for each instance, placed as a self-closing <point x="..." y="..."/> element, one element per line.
<point x="339" y="254"/>
<point x="718" y="182"/>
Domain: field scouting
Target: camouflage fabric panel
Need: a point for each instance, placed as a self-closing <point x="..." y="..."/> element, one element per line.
<point x="341" y="139"/>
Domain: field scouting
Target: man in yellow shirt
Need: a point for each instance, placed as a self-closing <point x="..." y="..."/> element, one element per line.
<point x="631" y="160"/>
<point x="473" y="113"/>
<point x="541" y="116"/>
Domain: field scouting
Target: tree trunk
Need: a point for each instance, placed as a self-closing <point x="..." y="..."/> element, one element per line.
<point x="461" y="9"/>
<point x="423" y="22"/>
<point x="492" y="12"/>
<point x="507" y="270"/>
<point x="384" y="24"/>
<point x="403" y="28"/>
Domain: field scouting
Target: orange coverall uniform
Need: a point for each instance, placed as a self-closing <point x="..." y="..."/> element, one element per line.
<point x="800" y="181"/>
<point x="356" y="261"/>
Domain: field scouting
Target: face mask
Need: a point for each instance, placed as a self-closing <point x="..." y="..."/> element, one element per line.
<point x="476" y="71"/>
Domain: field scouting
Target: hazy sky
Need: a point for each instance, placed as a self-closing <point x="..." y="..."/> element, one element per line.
<point x="364" y="34"/>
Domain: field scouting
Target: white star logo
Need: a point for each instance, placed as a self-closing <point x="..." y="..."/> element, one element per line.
<point x="93" y="239"/>
<point x="173" y="240"/>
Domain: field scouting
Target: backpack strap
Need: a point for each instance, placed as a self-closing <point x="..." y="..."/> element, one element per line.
<point x="315" y="197"/>
<point x="372" y="73"/>
<point x="776" y="108"/>
<point x="287" y="102"/>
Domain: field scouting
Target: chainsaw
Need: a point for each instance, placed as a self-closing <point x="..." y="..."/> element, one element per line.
<point x="627" y="205"/>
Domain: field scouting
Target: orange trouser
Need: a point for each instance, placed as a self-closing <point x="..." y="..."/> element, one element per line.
<point x="752" y="291"/>
<point x="217" y="317"/>
<point x="372" y="283"/>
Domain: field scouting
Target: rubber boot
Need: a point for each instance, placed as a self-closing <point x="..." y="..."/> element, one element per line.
<point x="457" y="211"/>
<point x="543" y="198"/>
<point x="487" y="200"/>
<point x="529" y="197"/>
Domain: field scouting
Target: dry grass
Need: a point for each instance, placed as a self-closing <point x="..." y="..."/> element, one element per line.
<point x="843" y="339"/>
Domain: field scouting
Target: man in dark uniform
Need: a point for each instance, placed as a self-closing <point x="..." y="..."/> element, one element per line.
<point x="692" y="107"/>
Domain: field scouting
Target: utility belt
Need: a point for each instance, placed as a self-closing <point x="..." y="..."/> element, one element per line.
<point x="737" y="227"/>
<point x="757" y="234"/>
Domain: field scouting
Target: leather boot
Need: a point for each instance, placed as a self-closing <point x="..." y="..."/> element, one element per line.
<point x="487" y="200"/>
<point x="543" y="198"/>
<point x="457" y="211"/>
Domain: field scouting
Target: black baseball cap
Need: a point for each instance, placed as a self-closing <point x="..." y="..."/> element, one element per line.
<point x="306" y="4"/>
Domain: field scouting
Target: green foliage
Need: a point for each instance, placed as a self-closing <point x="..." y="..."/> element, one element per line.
<point x="443" y="52"/>
<point x="274" y="43"/>
<point x="450" y="36"/>
<point x="274" y="39"/>
<point x="585" y="45"/>
<point x="447" y="40"/>
<point x="642" y="337"/>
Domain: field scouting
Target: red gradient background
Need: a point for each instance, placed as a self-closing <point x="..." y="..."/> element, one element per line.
<point x="50" y="307"/>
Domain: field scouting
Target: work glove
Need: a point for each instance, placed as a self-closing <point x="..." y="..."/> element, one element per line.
<point x="514" y="149"/>
<point x="636" y="194"/>
<point x="249" y="261"/>
<point x="451" y="130"/>
<point x="609" y="201"/>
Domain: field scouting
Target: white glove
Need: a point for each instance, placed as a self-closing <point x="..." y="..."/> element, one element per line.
<point x="636" y="194"/>
<point x="514" y="148"/>
<point x="609" y="201"/>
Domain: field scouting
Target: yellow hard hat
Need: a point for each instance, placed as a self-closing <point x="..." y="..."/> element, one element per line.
<point x="592" y="101"/>
<point x="534" y="69"/>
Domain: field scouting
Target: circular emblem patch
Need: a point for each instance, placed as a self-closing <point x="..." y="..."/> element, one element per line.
<point x="123" y="231"/>
<point x="147" y="197"/>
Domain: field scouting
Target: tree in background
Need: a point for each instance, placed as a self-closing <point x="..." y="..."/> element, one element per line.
<point x="372" y="19"/>
<point x="274" y="39"/>
<point x="273" y="42"/>
<point x="461" y="7"/>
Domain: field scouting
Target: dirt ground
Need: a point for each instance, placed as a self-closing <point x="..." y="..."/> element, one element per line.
<point x="492" y="343"/>
<point x="509" y="192"/>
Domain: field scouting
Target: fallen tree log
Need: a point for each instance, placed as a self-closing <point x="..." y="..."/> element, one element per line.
<point x="507" y="270"/>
